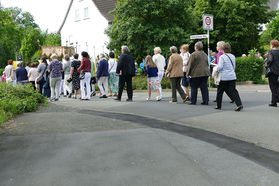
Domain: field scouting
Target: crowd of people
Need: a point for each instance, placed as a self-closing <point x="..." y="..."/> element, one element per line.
<point x="77" y="78"/>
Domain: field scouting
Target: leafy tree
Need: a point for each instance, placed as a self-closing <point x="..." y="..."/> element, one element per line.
<point x="30" y="43"/>
<point x="24" y="19"/>
<point x="236" y="21"/>
<point x="52" y="39"/>
<point x="144" y="24"/>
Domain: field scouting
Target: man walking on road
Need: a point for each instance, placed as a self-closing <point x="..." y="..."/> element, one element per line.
<point x="125" y="70"/>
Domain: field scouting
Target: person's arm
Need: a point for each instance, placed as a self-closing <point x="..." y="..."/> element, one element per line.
<point x="81" y="66"/>
<point x="169" y="66"/>
<point x="189" y="69"/>
<point x="119" y="65"/>
<point x="220" y="64"/>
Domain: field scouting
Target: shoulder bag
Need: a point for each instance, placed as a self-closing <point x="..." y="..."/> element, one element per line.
<point x="231" y="62"/>
<point x="82" y="75"/>
<point x="112" y="66"/>
<point x="41" y="79"/>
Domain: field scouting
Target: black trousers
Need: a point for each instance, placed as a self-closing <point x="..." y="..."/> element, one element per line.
<point x="122" y="81"/>
<point x="175" y="85"/>
<point x="200" y="82"/>
<point x="274" y="87"/>
<point x="230" y="88"/>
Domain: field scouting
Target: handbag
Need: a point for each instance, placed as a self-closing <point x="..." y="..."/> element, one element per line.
<point x="82" y="75"/>
<point x="69" y="80"/>
<point x="93" y="80"/>
<point x="40" y="80"/>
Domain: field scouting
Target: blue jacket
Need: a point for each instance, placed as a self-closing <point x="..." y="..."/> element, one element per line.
<point x="102" y="70"/>
<point x="152" y="72"/>
<point x="21" y="74"/>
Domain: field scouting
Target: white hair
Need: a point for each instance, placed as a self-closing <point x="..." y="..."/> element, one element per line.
<point x="125" y="48"/>
<point x="221" y="44"/>
<point x="54" y="56"/>
<point x="102" y="56"/>
<point x="199" y="45"/>
<point x="157" y="50"/>
<point x="173" y="49"/>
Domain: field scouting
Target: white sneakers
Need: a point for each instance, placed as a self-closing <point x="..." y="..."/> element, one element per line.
<point x="158" y="98"/>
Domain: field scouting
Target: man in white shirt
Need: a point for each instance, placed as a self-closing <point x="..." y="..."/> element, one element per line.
<point x="160" y="61"/>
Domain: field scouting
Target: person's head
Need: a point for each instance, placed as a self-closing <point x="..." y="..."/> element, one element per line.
<point x="157" y="50"/>
<point x="10" y="62"/>
<point x="274" y="44"/>
<point x="220" y="46"/>
<point x="210" y="52"/>
<point x="111" y="55"/>
<point x="27" y="64"/>
<point x="243" y="55"/>
<point x="20" y="64"/>
<point x="102" y="56"/>
<point x="150" y="62"/>
<point x="44" y="60"/>
<point x="198" y="46"/>
<point x="124" y="49"/>
<point x="185" y="48"/>
<point x="76" y="56"/>
<point x="173" y="49"/>
<point x="213" y="54"/>
<point x="84" y="54"/>
<point x="143" y="59"/>
<point x="67" y="57"/>
<point x="227" y="48"/>
<point x="34" y="65"/>
<point x="54" y="56"/>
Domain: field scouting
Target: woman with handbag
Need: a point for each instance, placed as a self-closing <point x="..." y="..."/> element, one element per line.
<point x="272" y="71"/>
<point x="74" y="76"/>
<point x="226" y="66"/>
<point x="113" y="78"/>
<point x="85" y="76"/>
<point x="42" y="69"/>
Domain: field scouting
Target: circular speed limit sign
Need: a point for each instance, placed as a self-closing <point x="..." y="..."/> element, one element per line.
<point x="207" y="22"/>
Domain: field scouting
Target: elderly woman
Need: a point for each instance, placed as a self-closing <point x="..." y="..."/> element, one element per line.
<point x="67" y="73"/>
<point x="33" y="74"/>
<point x="55" y="70"/>
<point x="174" y="71"/>
<point x="75" y="76"/>
<point x="226" y="67"/>
<point x="21" y="74"/>
<point x="272" y="65"/>
<point x="113" y="78"/>
<point x="160" y="62"/>
<point x="198" y="71"/>
<point x="42" y="70"/>
<point x="10" y="72"/>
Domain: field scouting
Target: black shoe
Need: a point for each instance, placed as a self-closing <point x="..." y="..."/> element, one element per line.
<point x="104" y="96"/>
<point x="239" y="108"/>
<point x="56" y="99"/>
<point x="129" y="100"/>
<point x="273" y="105"/>
<point x="117" y="99"/>
<point x="218" y="108"/>
<point x="215" y="101"/>
<point x="192" y="103"/>
<point x="70" y="95"/>
<point x="204" y="103"/>
<point x="232" y="101"/>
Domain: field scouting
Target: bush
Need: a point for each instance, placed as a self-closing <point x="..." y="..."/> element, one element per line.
<point x="140" y="83"/>
<point x="37" y="56"/>
<point x="17" y="100"/>
<point x="249" y="69"/>
<point x="1" y="71"/>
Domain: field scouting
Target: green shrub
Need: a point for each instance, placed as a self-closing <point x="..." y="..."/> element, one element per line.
<point x="36" y="56"/>
<point x="249" y="69"/>
<point x="17" y="100"/>
<point x="1" y="71"/>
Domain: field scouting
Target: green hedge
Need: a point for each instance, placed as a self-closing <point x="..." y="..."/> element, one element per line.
<point x="1" y="71"/>
<point x="249" y="69"/>
<point x="17" y="100"/>
<point x="140" y="83"/>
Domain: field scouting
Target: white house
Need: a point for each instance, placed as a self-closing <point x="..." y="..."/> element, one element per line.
<point x="84" y="25"/>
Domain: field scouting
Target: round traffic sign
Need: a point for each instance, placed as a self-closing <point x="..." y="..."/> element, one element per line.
<point x="208" y="21"/>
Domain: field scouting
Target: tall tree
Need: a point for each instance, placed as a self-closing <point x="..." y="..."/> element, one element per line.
<point x="236" y="21"/>
<point x="144" y="24"/>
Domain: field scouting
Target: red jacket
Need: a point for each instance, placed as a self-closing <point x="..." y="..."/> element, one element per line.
<point x="85" y="65"/>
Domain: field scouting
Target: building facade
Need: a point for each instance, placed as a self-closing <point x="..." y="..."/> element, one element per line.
<point x="84" y="25"/>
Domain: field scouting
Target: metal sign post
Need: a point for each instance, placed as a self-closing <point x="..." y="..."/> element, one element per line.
<point x="208" y="25"/>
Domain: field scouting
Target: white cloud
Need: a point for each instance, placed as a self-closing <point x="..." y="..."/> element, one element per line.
<point x="48" y="14"/>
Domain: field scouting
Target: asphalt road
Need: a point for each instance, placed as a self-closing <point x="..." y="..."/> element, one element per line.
<point x="102" y="142"/>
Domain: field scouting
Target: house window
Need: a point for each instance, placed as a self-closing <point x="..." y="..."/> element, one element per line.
<point x="86" y="13"/>
<point x="77" y="17"/>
